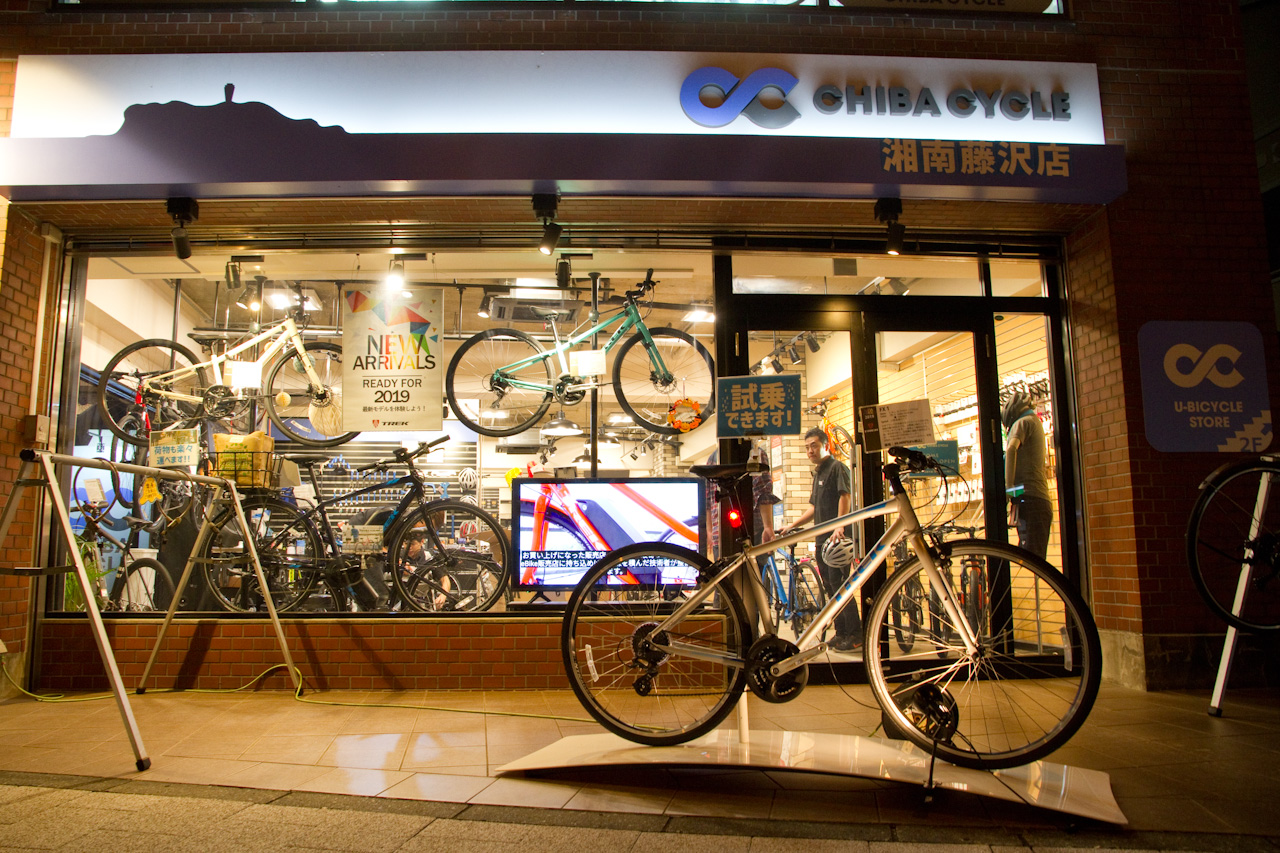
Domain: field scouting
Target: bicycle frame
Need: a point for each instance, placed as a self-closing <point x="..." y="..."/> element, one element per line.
<point x="631" y="319"/>
<point x="905" y="526"/>
<point x="280" y="336"/>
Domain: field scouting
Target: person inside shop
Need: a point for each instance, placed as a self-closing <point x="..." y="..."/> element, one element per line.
<point x="1025" y="479"/>
<point x="830" y="498"/>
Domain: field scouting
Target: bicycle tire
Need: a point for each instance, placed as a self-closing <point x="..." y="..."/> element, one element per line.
<point x="462" y="544"/>
<point x="131" y="592"/>
<point x="1027" y="690"/>
<point x="809" y="595"/>
<point x="663" y="698"/>
<point x="471" y="377"/>
<point x="906" y="613"/>
<point x="648" y="399"/>
<point x="1229" y="533"/>
<point x="126" y="368"/>
<point x="288" y="548"/>
<point x="286" y="375"/>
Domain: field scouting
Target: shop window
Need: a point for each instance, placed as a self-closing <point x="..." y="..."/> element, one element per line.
<point x="870" y="275"/>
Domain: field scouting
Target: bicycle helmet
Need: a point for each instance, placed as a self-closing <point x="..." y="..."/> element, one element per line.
<point x="838" y="553"/>
<point x="1015" y="407"/>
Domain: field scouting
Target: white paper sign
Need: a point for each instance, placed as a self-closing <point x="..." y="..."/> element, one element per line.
<point x="905" y="424"/>
<point x="175" y="448"/>
<point x="393" y="360"/>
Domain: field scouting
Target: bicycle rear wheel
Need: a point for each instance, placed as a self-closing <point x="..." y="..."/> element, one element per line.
<point x="288" y="549"/>
<point x="906" y="613"/>
<point x="1233" y="544"/>
<point x="808" y="597"/>
<point x="449" y="556"/>
<point x="1026" y="690"/>
<point x="309" y="415"/>
<point x="125" y="406"/>
<point x="145" y="586"/>
<point x="612" y="653"/>
<point x="479" y="382"/>
<point x="647" y="396"/>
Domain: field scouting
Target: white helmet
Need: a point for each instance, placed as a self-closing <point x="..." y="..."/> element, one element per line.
<point x="468" y="479"/>
<point x="838" y="553"/>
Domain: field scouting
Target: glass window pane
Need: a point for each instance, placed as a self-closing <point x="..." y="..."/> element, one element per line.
<point x="868" y="275"/>
<point x="1016" y="278"/>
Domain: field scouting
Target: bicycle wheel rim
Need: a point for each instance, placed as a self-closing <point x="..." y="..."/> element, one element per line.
<point x="1233" y="537"/>
<point x="461" y="564"/>
<point x="120" y="381"/>
<point x="486" y="403"/>
<point x="648" y="399"/>
<point x="287" y="376"/>
<point x="144" y="587"/>
<point x="288" y="550"/>
<point x="1029" y="689"/>
<point x="632" y="689"/>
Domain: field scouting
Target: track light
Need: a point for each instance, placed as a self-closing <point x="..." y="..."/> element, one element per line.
<point x="251" y="298"/>
<point x="544" y="207"/>
<point x="793" y="353"/>
<point x="812" y="341"/>
<point x="887" y="210"/>
<point x="395" y="275"/>
<point x="563" y="272"/>
<point x="775" y="364"/>
<point x="232" y="276"/>
<point x="486" y="306"/>
<point x="183" y="211"/>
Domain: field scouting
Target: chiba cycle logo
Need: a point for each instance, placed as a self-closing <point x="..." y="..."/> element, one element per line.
<point x="740" y="97"/>
<point x="1204" y="365"/>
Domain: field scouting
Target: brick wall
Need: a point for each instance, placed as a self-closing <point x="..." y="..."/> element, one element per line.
<point x="375" y="654"/>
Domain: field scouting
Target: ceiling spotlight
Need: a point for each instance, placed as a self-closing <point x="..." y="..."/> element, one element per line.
<point x="251" y="298"/>
<point x="812" y="341"/>
<point x="395" y="275"/>
<point x="887" y="210"/>
<point x="700" y="314"/>
<point x="232" y="276"/>
<point x="793" y="354"/>
<point x="544" y="207"/>
<point x="486" y="305"/>
<point x="183" y="211"/>
<point x="775" y="363"/>
<point x="562" y="271"/>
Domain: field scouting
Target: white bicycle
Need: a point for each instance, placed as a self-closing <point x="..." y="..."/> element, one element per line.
<point x="658" y="647"/>
<point x="158" y="385"/>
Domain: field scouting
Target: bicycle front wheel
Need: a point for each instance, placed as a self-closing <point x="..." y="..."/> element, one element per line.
<point x="288" y="549"/>
<point x="306" y="413"/>
<point x="449" y="556"/>
<point x="145" y="586"/>
<point x="1021" y="695"/>
<point x="171" y="399"/>
<point x="809" y="595"/>
<point x="647" y="393"/>
<point x="629" y="675"/>
<point x="1233" y="544"/>
<point x="486" y="382"/>
<point x="906" y="613"/>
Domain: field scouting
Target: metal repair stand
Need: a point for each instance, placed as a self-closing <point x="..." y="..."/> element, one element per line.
<point x="37" y="470"/>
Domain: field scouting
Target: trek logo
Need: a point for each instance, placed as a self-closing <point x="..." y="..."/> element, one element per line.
<point x="1203" y="365"/>
<point x="740" y="97"/>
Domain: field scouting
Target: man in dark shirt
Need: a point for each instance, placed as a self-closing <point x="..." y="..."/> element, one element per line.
<point x="831" y="498"/>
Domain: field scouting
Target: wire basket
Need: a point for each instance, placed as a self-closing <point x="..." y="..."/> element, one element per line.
<point x="246" y="460"/>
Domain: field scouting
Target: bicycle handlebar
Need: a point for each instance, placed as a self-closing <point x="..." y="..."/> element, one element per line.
<point x="644" y="286"/>
<point x="914" y="460"/>
<point x="403" y="455"/>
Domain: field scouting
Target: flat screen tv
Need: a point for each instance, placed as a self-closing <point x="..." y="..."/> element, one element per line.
<point x="561" y="526"/>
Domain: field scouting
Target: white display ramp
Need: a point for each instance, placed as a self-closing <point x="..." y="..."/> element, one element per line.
<point x="1062" y="788"/>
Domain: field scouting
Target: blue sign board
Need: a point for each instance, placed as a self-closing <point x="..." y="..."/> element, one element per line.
<point x="947" y="452"/>
<point x="1204" y="387"/>
<point x="758" y="405"/>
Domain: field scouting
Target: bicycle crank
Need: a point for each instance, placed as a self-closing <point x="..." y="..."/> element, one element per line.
<point x="764" y="654"/>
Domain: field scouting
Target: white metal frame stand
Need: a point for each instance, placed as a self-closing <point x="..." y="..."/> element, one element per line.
<point x="41" y="463"/>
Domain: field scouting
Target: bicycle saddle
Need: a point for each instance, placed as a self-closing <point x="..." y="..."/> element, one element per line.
<point x="729" y="471"/>
<point x="548" y="313"/>
<point x="307" y="459"/>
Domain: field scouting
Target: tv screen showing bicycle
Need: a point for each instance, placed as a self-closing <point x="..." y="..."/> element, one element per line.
<point x="561" y="527"/>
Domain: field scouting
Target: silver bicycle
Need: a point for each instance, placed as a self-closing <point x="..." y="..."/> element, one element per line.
<point x="658" y="646"/>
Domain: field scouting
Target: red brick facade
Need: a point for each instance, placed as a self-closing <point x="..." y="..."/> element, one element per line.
<point x="1185" y="242"/>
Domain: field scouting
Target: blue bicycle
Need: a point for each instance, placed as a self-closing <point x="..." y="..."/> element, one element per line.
<point x="798" y="597"/>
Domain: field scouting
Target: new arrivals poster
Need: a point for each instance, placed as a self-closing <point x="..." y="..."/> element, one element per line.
<point x="392" y="343"/>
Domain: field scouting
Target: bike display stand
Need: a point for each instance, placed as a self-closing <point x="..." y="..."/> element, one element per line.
<point x="1071" y="790"/>
<point x="38" y="471"/>
<point x="1242" y="587"/>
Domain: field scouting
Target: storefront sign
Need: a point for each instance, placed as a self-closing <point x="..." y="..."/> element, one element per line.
<point x="1204" y="387"/>
<point x="758" y="405"/>
<point x="393" y="375"/>
<point x="904" y="424"/>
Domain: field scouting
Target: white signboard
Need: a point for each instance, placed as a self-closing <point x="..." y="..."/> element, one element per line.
<point x="175" y="448"/>
<point x="905" y="424"/>
<point x="393" y="371"/>
<point x="605" y="92"/>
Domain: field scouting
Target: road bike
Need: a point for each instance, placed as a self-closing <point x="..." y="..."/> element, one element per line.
<point x="797" y="598"/>
<point x="669" y="669"/>
<point x="501" y="382"/>
<point x="159" y="385"/>
<point x="1233" y="544"/>
<point x="440" y="555"/>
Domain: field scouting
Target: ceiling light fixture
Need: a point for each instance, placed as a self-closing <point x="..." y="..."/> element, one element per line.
<point x="887" y="211"/>
<point x="544" y="207"/>
<point x="251" y="298"/>
<point x="183" y="211"/>
<point x="486" y="306"/>
<point x="560" y="426"/>
<point x="563" y="272"/>
<point x="812" y="341"/>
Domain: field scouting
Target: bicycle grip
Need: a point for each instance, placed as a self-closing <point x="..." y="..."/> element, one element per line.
<point x="915" y="460"/>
